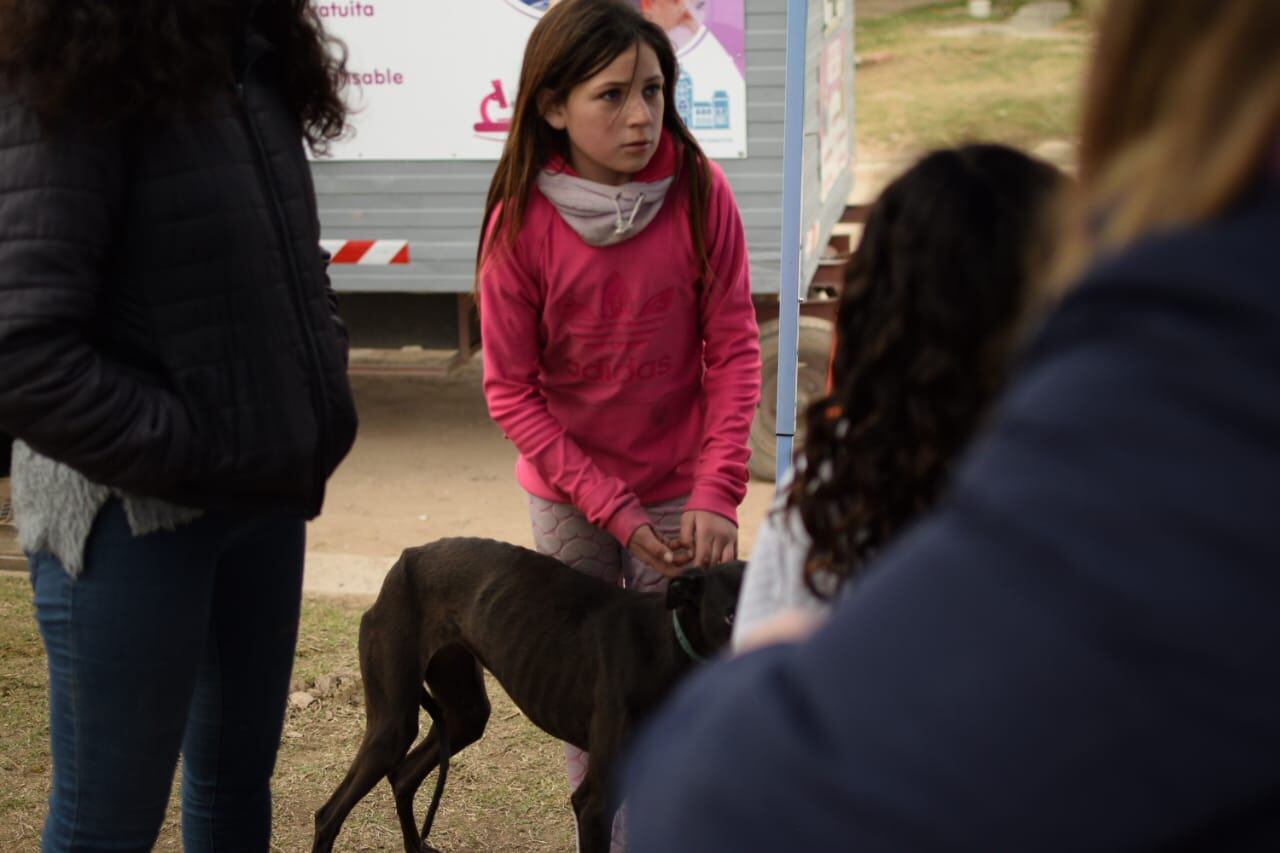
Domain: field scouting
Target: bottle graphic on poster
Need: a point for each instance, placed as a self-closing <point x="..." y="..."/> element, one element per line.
<point x="684" y="98"/>
<point x="720" y="109"/>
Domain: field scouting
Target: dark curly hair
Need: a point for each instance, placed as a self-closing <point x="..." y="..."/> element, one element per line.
<point x="925" y="324"/>
<point x="113" y="61"/>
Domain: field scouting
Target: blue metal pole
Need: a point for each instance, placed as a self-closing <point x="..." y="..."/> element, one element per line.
<point x="792" y="181"/>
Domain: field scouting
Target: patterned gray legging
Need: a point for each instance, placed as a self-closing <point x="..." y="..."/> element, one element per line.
<point x="563" y="532"/>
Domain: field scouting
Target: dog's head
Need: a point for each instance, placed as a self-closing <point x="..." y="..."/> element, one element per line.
<point x="705" y="602"/>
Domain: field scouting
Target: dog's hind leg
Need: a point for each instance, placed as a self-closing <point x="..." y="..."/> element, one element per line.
<point x="456" y="682"/>
<point x="392" y="684"/>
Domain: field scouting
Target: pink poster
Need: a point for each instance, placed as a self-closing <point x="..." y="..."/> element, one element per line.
<point x="427" y="88"/>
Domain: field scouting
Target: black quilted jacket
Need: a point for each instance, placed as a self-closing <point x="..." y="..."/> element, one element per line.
<point x="166" y="324"/>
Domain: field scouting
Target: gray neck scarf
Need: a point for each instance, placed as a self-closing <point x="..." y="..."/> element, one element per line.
<point x="602" y="214"/>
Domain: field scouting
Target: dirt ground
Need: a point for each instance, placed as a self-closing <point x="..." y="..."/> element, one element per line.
<point x="428" y="463"/>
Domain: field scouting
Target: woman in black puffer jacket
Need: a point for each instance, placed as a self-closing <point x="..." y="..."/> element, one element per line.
<point x="173" y="374"/>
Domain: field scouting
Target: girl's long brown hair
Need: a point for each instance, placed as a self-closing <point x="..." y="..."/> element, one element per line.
<point x="575" y="40"/>
<point x="115" y="61"/>
<point x="1182" y="108"/>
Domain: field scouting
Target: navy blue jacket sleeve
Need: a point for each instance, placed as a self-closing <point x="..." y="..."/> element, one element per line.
<point x="1077" y="651"/>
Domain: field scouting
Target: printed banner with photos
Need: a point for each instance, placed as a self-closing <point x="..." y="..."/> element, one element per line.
<point x="437" y="81"/>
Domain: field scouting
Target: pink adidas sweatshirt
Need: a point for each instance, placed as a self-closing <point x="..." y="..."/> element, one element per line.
<point x="619" y="378"/>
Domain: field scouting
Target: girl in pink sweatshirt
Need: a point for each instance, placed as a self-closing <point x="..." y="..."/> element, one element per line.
<point x="620" y="345"/>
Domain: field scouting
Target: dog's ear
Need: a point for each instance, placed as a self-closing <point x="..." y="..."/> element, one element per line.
<point x="685" y="590"/>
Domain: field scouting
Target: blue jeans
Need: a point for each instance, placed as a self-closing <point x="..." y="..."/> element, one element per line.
<point x="173" y="641"/>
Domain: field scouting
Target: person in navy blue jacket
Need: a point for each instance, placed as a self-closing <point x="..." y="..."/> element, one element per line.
<point x="1080" y="648"/>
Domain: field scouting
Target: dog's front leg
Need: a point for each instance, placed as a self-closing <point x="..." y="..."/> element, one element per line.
<point x="589" y="811"/>
<point x="591" y="802"/>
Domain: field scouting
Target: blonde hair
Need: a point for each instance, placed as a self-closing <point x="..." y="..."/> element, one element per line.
<point x="1182" y="109"/>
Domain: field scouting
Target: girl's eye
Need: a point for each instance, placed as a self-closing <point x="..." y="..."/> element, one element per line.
<point x="610" y="95"/>
<point x="652" y="91"/>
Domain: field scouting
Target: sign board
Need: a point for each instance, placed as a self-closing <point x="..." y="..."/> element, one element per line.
<point x="833" y="114"/>
<point x="436" y="80"/>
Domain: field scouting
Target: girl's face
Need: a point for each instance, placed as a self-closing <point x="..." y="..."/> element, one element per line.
<point x="614" y="118"/>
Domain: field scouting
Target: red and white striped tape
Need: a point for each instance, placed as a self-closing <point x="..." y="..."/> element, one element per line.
<point x="368" y="252"/>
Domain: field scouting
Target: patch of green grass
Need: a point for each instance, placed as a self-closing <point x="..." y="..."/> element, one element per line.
<point x="327" y="638"/>
<point x="921" y="86"/>
<point x="24" y="734"/>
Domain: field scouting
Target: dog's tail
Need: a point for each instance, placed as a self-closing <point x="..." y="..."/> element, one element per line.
<point x="436" y="713"/>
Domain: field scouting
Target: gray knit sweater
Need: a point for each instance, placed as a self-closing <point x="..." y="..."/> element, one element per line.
<point x="54" y="507"/>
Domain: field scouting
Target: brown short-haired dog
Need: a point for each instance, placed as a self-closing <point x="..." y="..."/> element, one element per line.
<point x="582" y="659"/>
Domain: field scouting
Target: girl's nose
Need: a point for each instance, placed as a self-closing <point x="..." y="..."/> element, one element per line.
<point x="638" y="112"/>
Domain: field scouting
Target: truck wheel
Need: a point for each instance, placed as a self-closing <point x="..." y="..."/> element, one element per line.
<point x="815" y="337"/>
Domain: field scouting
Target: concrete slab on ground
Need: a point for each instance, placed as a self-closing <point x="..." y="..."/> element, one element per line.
<point x="355" y="575"/>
